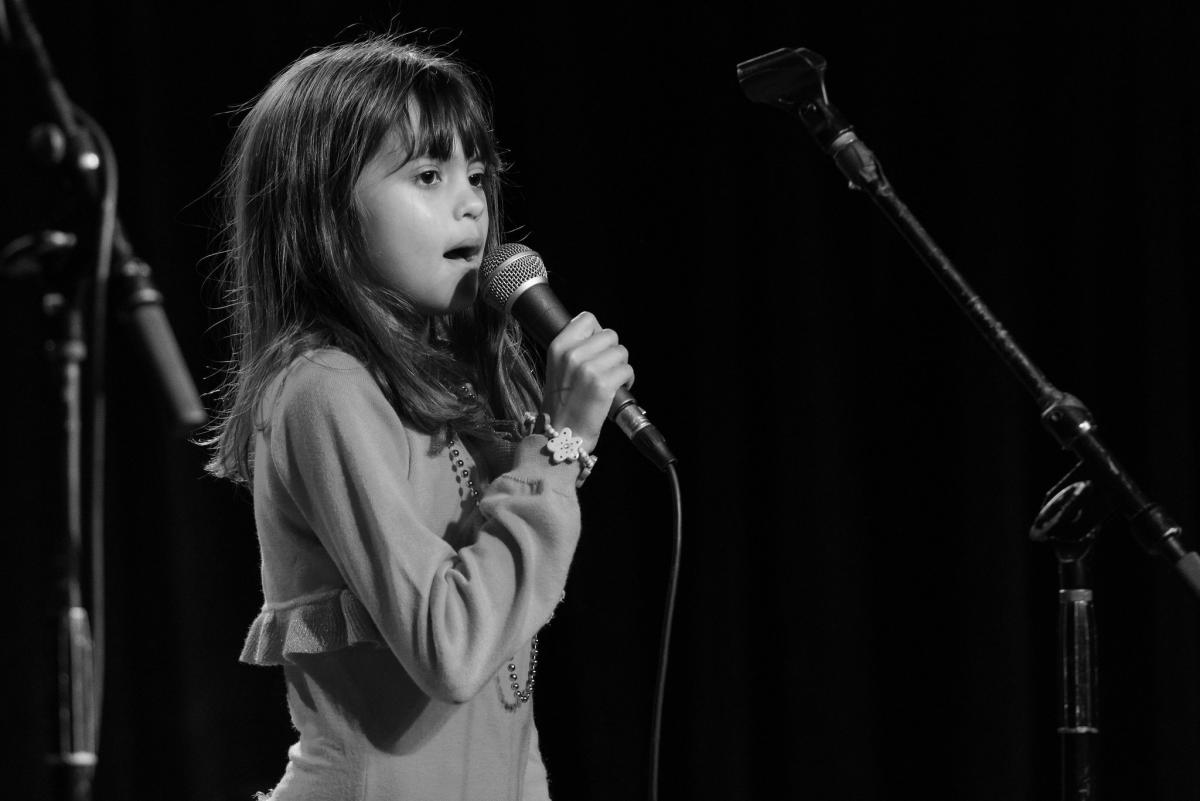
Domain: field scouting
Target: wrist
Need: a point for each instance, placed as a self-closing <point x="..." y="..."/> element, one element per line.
<point x="562" y="445"/>
<point x="547" y="420"/>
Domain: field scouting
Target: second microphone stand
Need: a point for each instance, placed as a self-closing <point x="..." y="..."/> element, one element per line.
<point x="793" y="80"/>
<point x="75" y="269"/>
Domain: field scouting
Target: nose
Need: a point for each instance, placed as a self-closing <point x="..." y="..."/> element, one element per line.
<point x="470" y="201"/>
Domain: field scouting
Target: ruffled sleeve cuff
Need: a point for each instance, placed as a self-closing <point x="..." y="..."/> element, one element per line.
<point x="313" y="624"/>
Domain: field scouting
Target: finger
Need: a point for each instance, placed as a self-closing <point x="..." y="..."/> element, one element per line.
<point x="607" y="359"/>
<point x="608" y="371"/>
<point x="585" y="350"/>
<point x="620" y="376"/>
<point x="581" y="327"/>
<point x="588" y="319"/>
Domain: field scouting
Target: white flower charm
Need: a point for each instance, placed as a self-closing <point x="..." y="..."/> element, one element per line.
<point x="564" y="447"/>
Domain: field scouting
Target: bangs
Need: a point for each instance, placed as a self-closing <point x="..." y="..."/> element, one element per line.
<point x="441" y="108"/>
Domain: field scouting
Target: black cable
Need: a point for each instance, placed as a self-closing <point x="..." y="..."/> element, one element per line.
<point x="668" y="616"/>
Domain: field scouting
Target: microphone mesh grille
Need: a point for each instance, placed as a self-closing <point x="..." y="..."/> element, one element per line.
<point x="505" y="270"/>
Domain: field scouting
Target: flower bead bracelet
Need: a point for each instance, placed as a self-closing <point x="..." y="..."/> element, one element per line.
<point x="563" y="446"/>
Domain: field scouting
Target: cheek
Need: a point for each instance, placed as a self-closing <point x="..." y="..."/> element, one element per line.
<point x="394" y="229"/>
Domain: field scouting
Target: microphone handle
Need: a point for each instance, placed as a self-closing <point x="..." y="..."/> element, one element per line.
<point x="540" y="313"/>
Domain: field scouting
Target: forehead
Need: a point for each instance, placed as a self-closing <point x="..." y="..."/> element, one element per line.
<point x="397" y="149"/>
<point x="408" y="140"/>
<point x="438" y="125"/>
<point x="435" y="122"/>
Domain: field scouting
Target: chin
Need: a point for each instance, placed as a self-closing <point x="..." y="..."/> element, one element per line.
<point x="465" y="292"/>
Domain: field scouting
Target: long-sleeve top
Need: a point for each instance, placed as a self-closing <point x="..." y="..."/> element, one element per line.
<point x="395" y="600"/>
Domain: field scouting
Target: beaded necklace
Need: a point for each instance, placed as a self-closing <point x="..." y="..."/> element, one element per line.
<point x="521" y="696"/>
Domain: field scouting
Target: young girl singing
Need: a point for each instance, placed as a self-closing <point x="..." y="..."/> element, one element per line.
<point x="414" y="536"/>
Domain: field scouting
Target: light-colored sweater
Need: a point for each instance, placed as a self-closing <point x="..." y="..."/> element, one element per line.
<point x="394" y="600"/>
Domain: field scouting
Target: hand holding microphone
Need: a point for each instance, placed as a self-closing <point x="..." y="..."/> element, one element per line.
<point x="584" y="364"/>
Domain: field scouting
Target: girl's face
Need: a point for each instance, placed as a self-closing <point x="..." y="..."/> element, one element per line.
<point x="426" y="224"/>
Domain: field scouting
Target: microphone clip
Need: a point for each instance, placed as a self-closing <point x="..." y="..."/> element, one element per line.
<point x="793" y="79"/>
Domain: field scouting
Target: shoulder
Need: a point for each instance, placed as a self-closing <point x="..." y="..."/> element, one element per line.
<point x="327" y="417"/>
<point x="323" y="370"/>
<point x="327" y="383"/>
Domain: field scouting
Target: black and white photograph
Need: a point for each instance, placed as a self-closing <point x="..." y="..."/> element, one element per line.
<point x="413" y="401"/>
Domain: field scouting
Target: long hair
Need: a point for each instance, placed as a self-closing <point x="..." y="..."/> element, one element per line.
<point x="295" y="273"/>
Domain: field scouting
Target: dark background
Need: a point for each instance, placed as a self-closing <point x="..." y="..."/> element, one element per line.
<point x="861" y="612"/>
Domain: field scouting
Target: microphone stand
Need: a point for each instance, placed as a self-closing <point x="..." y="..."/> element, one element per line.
<point x="793" y="80"/>
<point x="1070" y="519"/>
<point x="74" y="302"/>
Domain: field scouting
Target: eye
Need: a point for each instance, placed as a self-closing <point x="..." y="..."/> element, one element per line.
<point x="428" y="177"/>
<point x="478" y="179"/>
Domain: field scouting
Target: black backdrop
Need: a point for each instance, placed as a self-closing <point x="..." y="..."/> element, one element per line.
<point x="861" y="613"/>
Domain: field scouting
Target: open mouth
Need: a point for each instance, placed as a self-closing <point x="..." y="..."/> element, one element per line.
<point x="463" y="252"/>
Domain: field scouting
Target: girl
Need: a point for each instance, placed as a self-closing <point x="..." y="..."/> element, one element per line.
<point x="413" y="537"/>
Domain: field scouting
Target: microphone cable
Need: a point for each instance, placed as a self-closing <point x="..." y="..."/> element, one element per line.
<point x="668" y="618"/>
<point x="514" y="281"/>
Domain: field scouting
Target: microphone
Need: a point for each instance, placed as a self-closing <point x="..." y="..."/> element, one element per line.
<point x="514" y="281"/>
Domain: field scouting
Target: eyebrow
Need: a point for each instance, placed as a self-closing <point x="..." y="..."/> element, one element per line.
<point x="478" y="159"/>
